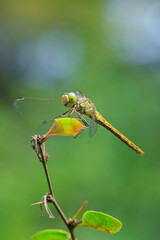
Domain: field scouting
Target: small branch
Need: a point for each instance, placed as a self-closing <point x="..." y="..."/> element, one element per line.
<point x="46" y="170"/>
<point x="36" y="142"/>
<point x="37" y="203"/>
<point x="80" y="210"/>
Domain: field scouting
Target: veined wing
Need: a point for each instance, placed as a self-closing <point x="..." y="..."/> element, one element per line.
<point x="79" y="94"/>
<point x="93" y="125"/>
<point x="38" y="109"/>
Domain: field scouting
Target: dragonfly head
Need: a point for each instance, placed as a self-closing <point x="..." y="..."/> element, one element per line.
<point x="69" y="99"/>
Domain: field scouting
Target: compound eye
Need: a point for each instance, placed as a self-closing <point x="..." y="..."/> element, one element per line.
<point x="65" y="99"/>
<point x="72" y="98"/>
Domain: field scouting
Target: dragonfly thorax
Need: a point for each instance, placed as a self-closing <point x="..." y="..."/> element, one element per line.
<point x="69" y="99"/>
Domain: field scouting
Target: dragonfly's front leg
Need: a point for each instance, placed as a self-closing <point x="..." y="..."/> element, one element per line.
<point x="82" y="119"/>
<point x="70" y="110"/>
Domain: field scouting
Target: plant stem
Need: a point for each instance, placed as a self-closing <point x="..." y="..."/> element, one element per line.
<point x="46" y="171"/>
<point x="53" y="200"/>
<point x="72" y="234"/>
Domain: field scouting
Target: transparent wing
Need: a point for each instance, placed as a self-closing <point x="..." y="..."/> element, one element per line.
<point x="44" y="126"/>
<point x="79" y="94"/>
<point x="42" y="111"/>
<point x="93" y="126"/>
<point x="35" y="107"/>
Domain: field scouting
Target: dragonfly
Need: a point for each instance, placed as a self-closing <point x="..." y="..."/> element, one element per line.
<point x="81" y="105"/>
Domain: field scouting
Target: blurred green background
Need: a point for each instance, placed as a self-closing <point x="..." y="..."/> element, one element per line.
<point x="109" y="50"/>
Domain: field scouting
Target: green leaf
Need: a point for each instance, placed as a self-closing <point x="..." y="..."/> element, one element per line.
<point x="51" y="235"/>
<point x="101" y="221"/>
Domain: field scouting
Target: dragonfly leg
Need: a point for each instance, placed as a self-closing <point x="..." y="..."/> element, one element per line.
<point x="64" y="113"/>
<point x="46" y="121"/>
<point x="82" y="119"/>
<point x="72" y="111"/>
<point x="69" y="112"/>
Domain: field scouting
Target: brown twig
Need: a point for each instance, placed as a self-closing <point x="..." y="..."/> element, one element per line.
<point x="80" y="210"/>
<point x="71" y="224"/>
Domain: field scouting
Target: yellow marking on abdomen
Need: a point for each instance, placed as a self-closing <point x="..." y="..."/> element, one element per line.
<point x="100" y="120"/>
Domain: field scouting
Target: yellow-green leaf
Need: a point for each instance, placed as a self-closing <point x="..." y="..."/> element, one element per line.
<point x="101" y="221"/>
<point x="51" y="235"/>
<point x="65" y="127"/>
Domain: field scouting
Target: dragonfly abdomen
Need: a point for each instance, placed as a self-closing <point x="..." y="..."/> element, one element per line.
<point x="100" y="120"/>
